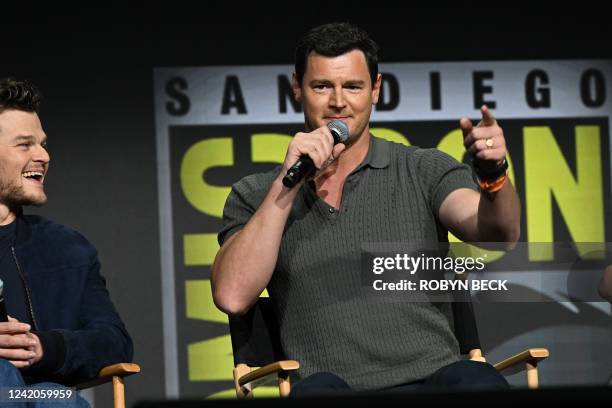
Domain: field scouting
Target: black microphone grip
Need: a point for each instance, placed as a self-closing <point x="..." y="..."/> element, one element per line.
<point x="303" y="168"/>
<point x="3" y="314"/>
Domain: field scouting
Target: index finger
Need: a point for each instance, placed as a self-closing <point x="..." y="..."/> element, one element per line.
<point x="14" y="327"/>
<point x="487" y="117"/>
<point x="328" y="134"/>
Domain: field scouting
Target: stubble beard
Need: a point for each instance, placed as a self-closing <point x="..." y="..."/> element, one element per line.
<point x="14" y="196"/>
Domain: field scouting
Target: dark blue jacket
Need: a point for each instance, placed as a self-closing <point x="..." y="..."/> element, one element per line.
<point x="68" y="301"/>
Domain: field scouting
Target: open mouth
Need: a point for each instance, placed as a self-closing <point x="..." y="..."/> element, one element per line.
<point x="33" y="175"/>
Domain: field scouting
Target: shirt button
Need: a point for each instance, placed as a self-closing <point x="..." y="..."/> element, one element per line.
<point x="331" y="210"/>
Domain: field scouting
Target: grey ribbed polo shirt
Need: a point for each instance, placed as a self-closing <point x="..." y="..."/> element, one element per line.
<point x="329" y="321"/>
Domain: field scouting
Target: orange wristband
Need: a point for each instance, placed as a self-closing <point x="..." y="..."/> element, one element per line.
<point x="493" y="186"/>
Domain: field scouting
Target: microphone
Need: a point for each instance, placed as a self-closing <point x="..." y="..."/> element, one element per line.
<point x="3" y="314"/>
<point x="305" y="167"/>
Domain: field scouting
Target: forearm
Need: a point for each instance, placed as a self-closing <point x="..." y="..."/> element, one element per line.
<point x="98" y="336"/>
<point x="91" y="348"/>
<point x="499" y="215"/>
<point x="244" y="265"/>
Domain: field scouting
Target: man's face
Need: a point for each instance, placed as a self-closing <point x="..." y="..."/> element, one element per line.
<point x="337" y="88"/>
<point x="23" y="159"/>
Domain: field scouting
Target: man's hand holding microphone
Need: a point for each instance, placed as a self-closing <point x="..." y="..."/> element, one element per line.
<point x="314" y="151"/>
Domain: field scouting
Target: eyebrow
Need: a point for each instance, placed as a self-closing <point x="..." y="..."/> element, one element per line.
<point x="327" y="82"/>
<point x="319" y="81"/>
<point x="27" y="138"/>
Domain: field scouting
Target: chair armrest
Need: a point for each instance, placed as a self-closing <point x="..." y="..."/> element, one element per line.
<point x="120" y="370"/>
<point x="107" y="373"/>
<point x="532" y="356"/>
<point x="267" y="373"/>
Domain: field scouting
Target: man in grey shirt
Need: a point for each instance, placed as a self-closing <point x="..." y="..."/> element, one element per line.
<point x="304" y="243"/>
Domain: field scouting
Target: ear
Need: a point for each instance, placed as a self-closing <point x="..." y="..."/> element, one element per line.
<point x="376" y="89"/>
<point x="297" y="89"/>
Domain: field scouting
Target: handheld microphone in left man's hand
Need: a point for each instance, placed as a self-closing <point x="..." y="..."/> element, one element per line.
<point x="3" y="314"/>
<point x="305" y="167"/>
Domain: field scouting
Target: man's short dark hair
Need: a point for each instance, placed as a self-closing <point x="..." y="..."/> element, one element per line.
<point x="335" y="39"/>
<point x="19" y="95"/>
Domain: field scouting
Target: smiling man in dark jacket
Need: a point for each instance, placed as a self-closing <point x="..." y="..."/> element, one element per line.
<point x="63" y="326"/>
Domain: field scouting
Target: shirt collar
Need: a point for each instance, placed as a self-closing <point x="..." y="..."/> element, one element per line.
<point x="378" y="154"/>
